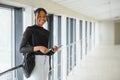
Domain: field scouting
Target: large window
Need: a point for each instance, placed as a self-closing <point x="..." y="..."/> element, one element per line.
<point x="71" y="43"/>
<point x="10" y="34"/>
<point x="57" y="41"/>
<point x="6" y="42"/>
<point x="54" y="25"/>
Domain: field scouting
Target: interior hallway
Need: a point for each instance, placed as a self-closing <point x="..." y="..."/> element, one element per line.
<point x="101" y="64"/>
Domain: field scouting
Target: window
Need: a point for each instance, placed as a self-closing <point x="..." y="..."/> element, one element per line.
<point x="81" y="38"/>
<point x="54" y="25"/>
<point x="71" y="43"/>
<point x="57" y="41"/>
<point x="74" y="39"/>
<point x="90" y="34"/>
<point x="86" y="37"/>
<point x="10" y="33"/>
<point x="6" y="42"/>
<point x="68" y="42"/>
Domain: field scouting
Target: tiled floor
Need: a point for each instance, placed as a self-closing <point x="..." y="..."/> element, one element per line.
<point x="102" y="64"/>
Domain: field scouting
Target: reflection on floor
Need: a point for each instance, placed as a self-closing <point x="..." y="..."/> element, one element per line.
<point x="101" y="64"/>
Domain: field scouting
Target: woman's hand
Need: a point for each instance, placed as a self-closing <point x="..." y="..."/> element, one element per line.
<point x="42" y="49"/>
<point x="55" y="48"/>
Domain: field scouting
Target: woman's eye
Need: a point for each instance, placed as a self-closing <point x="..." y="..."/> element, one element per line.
<point x="41" y="16"/>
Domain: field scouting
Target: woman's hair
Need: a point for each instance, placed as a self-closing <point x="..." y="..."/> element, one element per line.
<point x="40" y="9"/>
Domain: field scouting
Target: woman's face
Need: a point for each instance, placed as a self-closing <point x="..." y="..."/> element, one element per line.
<point x="41" y="18"/>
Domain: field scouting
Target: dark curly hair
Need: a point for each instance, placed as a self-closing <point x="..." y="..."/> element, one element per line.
<point x="40" y="9"/>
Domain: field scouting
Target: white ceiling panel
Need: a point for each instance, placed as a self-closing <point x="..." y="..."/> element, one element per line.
<point x="98" y="9"/>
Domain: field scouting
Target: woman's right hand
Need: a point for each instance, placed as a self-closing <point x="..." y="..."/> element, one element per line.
<point x="42" y="49"/>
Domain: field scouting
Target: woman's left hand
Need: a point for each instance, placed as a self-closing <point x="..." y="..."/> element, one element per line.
<point x="55" y="48"/>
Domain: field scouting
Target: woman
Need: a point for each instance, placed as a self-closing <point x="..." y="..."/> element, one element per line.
<point x="38" y="37"/>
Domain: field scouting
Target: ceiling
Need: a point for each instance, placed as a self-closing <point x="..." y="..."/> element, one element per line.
<point x="98" y="9"/>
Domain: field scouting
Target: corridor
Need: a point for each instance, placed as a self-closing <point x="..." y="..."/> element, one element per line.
<point x="88" y="38"/>
<point x="102" y="64"/>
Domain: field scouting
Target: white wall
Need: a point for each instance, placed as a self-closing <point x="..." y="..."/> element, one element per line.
<point x="106" y="34"/>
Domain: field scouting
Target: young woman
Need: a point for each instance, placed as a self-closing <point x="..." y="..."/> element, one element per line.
<point x="38" y="37"/>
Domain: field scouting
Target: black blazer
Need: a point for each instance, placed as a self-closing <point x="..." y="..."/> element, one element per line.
<point x="34" y="36"/>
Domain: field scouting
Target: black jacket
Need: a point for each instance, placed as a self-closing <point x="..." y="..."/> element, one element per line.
<point x="34" y="36"/>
